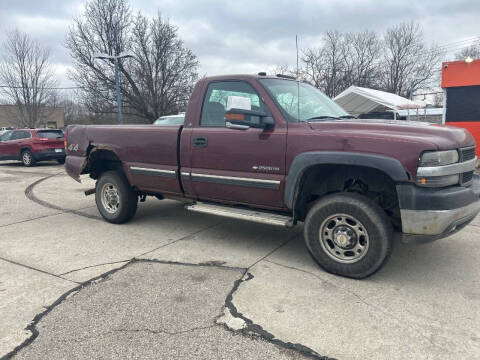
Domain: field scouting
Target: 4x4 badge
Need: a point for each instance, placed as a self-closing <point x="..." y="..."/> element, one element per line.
<point x="73" y="147"/>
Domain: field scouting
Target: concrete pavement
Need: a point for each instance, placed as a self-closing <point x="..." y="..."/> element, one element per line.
<point x="421" y="305"/>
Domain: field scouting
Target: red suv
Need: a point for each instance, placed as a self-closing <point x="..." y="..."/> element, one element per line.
<point x="32" y="145"/>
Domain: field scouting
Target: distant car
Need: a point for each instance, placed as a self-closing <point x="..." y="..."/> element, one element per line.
<point x="170" y="120"/>
<point x="32" y="145"/>
<point x="3" y="130"/>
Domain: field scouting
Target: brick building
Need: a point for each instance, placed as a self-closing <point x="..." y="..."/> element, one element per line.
<point x="53" y="117"/>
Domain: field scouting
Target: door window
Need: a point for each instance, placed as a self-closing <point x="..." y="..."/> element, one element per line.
<point x="7" y="136"/>
<point x="18" y="135"/>
<point x="215" y="102"/>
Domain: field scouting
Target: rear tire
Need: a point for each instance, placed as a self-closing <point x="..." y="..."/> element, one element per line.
<point x="61" y="161"/>
<point x="27" y="158"/>
<point x="347" y="234"/>
<point x="116" y="200"/>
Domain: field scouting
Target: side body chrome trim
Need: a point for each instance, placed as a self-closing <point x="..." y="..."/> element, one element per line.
<point x="457" y="168"/>
<point x="239" y="181"/>
<point x="153" y="172"/>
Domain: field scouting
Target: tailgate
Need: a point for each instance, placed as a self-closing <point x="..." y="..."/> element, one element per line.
<point x="51" y="138"/>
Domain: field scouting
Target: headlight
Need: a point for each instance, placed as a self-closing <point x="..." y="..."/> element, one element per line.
<point x="439" y="158"/>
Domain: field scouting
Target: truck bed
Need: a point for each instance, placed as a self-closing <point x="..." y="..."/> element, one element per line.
<point x="144" y="150"/>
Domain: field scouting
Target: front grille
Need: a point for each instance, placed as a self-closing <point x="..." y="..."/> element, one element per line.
<point x="467" y="154"/>
<point x="466" y="177"/>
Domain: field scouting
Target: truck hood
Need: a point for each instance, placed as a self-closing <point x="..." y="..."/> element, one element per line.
<point x="431" y="136"/>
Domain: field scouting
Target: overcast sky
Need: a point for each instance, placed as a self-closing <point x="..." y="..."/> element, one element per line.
<point x="237" y="36"/>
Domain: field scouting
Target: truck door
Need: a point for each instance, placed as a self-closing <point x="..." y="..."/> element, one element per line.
<point x="237" y="166"/>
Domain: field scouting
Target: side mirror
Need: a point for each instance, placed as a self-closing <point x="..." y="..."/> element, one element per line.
<point x="242" y="119"/>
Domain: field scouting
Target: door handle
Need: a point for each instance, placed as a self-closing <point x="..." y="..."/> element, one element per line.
<point x="200" y="142"/>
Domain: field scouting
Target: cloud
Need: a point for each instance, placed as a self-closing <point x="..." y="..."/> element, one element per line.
<point x="232" y="36"/>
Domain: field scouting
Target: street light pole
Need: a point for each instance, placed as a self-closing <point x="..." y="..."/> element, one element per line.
<point x="119" y="100"/>
<point x="116" y="60"/>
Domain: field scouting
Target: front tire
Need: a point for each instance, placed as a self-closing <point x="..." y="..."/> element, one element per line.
<point x="347" y="234"/>
<point x="27" y="158"/>
<point x="116" y="200"/>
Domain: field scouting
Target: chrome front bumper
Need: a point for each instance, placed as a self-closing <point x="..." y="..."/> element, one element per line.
<point x="424" y="226"/>
<point x="434" y="214"/>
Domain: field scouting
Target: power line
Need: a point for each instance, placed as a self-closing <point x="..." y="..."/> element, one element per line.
<point x="44" y="88"/>
<point x="453" y="43"/>
<point x="452" y="47"/>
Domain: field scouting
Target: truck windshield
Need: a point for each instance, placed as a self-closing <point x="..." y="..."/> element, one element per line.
<point x="311" y="105"/>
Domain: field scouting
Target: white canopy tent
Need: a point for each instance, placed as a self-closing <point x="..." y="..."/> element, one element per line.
<point x="358" y="100"/>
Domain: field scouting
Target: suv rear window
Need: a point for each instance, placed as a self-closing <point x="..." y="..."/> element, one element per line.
<point x="50" y="134"/>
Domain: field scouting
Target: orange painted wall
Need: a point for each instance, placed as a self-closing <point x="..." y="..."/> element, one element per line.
<point x="460" y="73"/>
<point x="473" y="127"/>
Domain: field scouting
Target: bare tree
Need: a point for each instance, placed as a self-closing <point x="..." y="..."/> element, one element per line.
<point x="324" y="66"/>
<point x="407" y="63"/>
<point x="361" y="54"/>
<point x="472" y="51"/>
<point x="26" y="71"/>
<point x="158" y="81"/>
<point x="343" y="59"/>
<point x="284" y="69"/>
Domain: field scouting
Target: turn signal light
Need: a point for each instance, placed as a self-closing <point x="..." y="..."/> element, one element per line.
<point x="240" y="117"/>
<point x="439" y="181"/>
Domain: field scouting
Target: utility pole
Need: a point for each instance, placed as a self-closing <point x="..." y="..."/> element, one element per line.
<point x="116" y="60"/>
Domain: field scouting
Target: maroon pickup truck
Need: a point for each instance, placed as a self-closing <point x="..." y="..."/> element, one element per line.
<point x="277" y="151"/>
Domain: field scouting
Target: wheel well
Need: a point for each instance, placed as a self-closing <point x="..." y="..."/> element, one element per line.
<point x="101" y="160"/>
<point x="320" y="180"/>
<point x="23" y="149"/>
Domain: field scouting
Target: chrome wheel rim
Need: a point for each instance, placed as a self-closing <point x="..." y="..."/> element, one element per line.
<point x="110" y="198"/>
<point x="26" y="158"/>
<point x="344" y="238"/>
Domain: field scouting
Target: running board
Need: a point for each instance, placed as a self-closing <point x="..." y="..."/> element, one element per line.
<point x="242" y="214"/>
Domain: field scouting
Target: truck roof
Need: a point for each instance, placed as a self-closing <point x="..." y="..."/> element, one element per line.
<point x="246" y="77"/>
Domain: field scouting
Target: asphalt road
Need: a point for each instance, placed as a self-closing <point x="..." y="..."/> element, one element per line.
<point x="174" y="284"/>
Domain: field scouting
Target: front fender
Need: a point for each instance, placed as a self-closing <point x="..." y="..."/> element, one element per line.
<point x="392" y="167"/>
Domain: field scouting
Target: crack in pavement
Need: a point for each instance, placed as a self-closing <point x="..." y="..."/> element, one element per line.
<point x="273" y="251"/>
<point x="35" y="269"/>
<point x="255" y="330"/>
<point x="32" y="327"/>
<point x="92" y="266"/>
<point x="361" y="299"/>
<point x="146" y="330"/>
<point x="173" y="333"/>
<point x="252" y="330"/>
<point x="46" y="216"/>
<point x="180" y="239"/>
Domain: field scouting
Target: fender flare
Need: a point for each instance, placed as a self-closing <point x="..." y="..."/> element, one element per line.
<point x="392" y="167"/>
